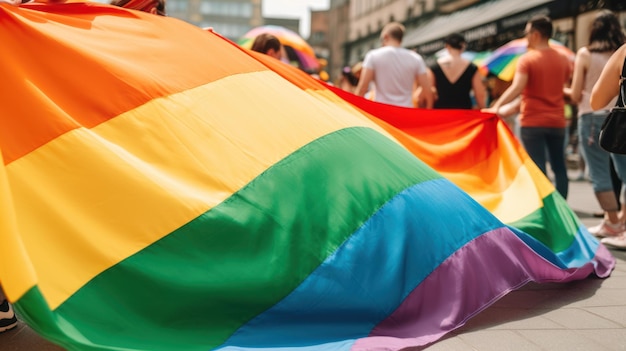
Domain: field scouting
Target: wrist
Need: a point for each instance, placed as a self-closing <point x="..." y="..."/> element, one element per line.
<point x="496" y="110"/>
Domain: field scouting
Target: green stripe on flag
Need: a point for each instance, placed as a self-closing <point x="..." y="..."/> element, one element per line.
<point x="192" y="289"/>
<point x="33" y="309"/>
<point x="555" y="224"/>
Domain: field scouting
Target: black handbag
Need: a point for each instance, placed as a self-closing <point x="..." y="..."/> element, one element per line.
<point x="613" y="132"/>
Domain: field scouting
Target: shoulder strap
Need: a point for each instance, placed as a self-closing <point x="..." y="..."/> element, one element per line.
<point x="622" y="87"/>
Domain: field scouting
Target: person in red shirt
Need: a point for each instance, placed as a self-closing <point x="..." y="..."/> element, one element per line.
<point x="540" y="76"/>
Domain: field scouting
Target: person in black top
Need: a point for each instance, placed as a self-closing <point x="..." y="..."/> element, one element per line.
<point x="454" y="77"/>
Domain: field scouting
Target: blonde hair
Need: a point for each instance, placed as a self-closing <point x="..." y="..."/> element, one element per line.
<point x="395" y="30"/>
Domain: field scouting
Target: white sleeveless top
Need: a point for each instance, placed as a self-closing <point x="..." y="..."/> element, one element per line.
<point x="598" y="61"/>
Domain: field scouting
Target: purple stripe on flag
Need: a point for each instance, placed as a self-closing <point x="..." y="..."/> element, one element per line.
<point x="469" y="281"/>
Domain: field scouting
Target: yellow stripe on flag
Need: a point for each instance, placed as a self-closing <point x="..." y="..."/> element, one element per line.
<point x="520" y="197"/>
<point x="12" y="250"/>
<point x="134" y="179"/>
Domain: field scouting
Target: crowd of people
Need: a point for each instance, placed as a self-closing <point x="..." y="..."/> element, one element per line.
<point x="537" y="105"/>
<point x="534" y="105"/>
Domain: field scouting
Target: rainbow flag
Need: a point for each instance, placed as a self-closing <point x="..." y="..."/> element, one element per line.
<point x="163" y="189"/>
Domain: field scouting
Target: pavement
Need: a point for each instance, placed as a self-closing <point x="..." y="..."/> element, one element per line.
<point x="586" y="315"/>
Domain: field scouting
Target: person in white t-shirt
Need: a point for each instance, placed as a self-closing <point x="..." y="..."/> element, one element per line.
<point x="395" y="71"/>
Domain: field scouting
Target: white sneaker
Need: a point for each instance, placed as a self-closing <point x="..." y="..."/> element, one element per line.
<point x="618" y="242"/>
<point x="607" y="229"/>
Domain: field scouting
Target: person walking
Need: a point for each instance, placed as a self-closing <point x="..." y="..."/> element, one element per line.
<point x="540" y="76"/>
<point x="350" y="76"/>
<point x="606" y="36"/>
<point x="607" y="88"/>
<point x="395" y="71"/>
<point x="455" y="77"/>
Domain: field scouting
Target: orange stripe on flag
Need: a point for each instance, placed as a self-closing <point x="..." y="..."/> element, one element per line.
<point x="87" y="68"/>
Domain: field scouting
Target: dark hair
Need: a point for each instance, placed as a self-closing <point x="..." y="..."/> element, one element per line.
<point x="145" y="5"/>
<point x="161" y="8"/>
<point x="542" y="24"/>
<point x="347" y="73"/>
<point x="264" y="42"/>
<point x="455" y="40"/>
<point x="606" y="33"/>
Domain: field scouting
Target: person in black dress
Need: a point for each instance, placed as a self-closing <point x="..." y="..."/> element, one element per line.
<point x="455" y="78"/>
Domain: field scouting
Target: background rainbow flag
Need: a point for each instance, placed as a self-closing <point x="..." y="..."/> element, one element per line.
<point x="163" y="189"/>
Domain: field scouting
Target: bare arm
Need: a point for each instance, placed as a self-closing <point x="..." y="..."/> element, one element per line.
<point x="433" y="85"/>
<point x="367" y="75"/>
<point x="426" y="98"/>
<point x="431" y="78"/>
<point x="511" y="108"/>
<point x="480" y="93"/>
<point x="581" y="65"/>
<point x="607" y="86"/>
<point x="519" y="83"/>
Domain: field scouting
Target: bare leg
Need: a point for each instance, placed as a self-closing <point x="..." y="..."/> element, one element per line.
<point x="609" y="204"/>
<point x="617" y="188"/>
<point x="622" y="215"/>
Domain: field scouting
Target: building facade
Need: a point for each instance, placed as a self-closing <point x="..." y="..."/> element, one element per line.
<point x="339" y="26"/>
<point x="319" y="35"/>
<point x="292" y="24"/>
<point x="230" y="18"/>
<point x="486" y="24"/>
<point x="367" y="19"/>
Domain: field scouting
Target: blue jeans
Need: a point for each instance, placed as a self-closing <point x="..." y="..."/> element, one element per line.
<point x="596" y="158"/>
<point x="538" y="140"/>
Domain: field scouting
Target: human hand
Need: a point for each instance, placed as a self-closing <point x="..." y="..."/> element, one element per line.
<point x="492" y="109"/>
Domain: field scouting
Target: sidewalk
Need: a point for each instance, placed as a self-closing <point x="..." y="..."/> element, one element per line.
<point x="587" y="315"/>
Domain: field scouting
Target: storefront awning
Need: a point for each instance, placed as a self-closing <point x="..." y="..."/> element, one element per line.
<point x="471" y="18"/>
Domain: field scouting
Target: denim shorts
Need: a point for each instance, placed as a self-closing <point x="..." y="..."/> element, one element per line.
<point x="596" y="158"/>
